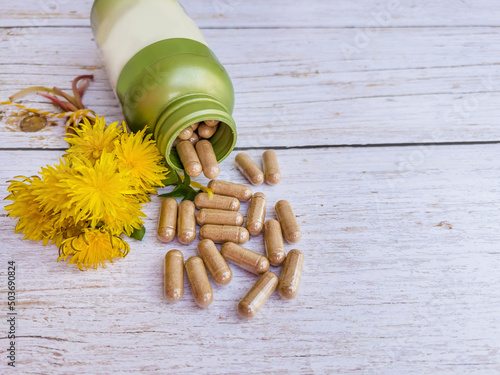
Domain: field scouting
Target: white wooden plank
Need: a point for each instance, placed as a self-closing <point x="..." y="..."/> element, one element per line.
<point x="408" y="85"/>
<point x="260" y="13"/>
<point x="400" y="276"/>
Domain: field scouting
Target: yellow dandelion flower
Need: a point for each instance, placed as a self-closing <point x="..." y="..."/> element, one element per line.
<point x="127" y="219"/>
<point x="66" y="228"/>
<point x="92" y="249"/>
<point x="51" y="193"/>
<point x="91" y="140"/>
<point x="99" y="191"/>
<point x="137" y="154"/>
<point x="34" y="222"/>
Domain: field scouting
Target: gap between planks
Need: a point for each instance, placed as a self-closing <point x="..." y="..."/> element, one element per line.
<point x="310" y="147"/>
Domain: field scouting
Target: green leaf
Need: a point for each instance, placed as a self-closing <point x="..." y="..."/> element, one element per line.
<point x="138" y="234"/>
<point x="191" y="195"/>
<point x="172" y="178"/>
<point x="179" y="191"/>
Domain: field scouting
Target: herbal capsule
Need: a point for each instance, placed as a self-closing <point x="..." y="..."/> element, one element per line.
<point x="186" y="223"/>
<point x="272" y="173"/>
<point x="289" y="225"/>
<point x="292" y="273"/>
<point x="168" y="220"/>
<point x="198" y="279"/>
<point x="174" y="275"/>
<point x="211" y="122"/>
<point x="249" y="169"/>
<point x="205" y="131"/>
<point x="275" y="248"/>
<point x="239" y="191"/>
<point x="195" y="126"/>
<point x="176" y="142"/>
<point x="186" y="133"/>
<point x="215" y="262"/>
<point x="246" y="259"/>
<point x="219" y="217"/>
<point x="256" y="213"/>
<point x="224" y="233"/>
<point x="207" y="158"/>
<point x="219" y="202"/>
<point x="257" y="296"/>
<point x="189" y="158"/>
<point x="194" y="139"/>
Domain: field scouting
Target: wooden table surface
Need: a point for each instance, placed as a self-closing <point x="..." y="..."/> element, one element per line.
<point x="384" y="115"/>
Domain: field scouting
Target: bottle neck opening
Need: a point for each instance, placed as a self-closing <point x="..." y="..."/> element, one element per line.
<point x="189" y="110"/>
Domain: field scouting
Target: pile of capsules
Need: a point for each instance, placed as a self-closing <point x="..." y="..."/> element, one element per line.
<point x="221" y="222"/>
<point x="196" y="151"/>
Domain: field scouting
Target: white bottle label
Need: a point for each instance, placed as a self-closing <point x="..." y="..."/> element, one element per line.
<point x="144" y="23"/>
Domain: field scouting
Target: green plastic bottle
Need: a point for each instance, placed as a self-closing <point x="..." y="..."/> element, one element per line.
<point x="163" y="72"/>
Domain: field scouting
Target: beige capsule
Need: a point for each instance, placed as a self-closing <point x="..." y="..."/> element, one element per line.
<point x="218" y="202"/>
<point x="238" y="191"/>
<point x="198" y="279"/>
<point x="168" y="220"/>
<point x="186" y="223"/>
<point x="195" y="126"/>
<point x="249" y="169"/>
<point x="224" y="233"/>
<point x="189" y="158"/>
<point x="207" y="158"/>
<point x="211" y="122"/>
<point x="174" y="275"/>
<point x="176" y="142"/>
<point x="215" y="262"/>
<point x="275" y="247"/>
<point x="272" y="174"/>
<point x="257" y="296"/>
<point x="219" y="217"/>
<point x="245" y="258"/>
<point x="289" y="284"/>
<point x="186" y="133"/>
<point x="256" y="213"/>
<point x="205" y="131"/>
<point x="194" y="139"/>
<point x="289" y="225"/>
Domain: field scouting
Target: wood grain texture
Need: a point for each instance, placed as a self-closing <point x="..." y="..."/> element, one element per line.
<point x="400" y="243"/>
<point x="277" y="13"/>
<point x="406" y="86"/>
<point x="400" y="277"/>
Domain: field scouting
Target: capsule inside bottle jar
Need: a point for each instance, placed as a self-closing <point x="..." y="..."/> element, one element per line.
<point x="189" y="158"/>
<point x="207" y="158"/>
